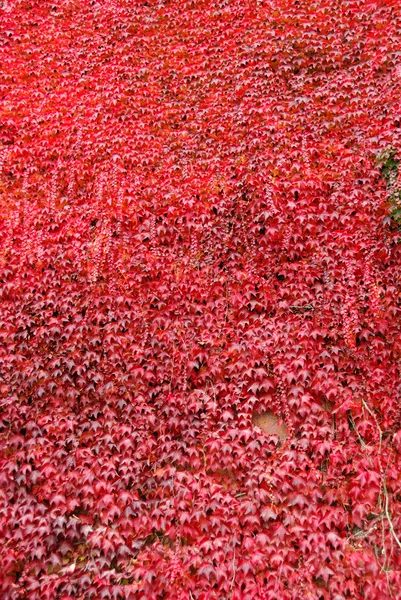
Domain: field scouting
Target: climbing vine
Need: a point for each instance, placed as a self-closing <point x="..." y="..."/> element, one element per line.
<point x="200" y="336"/>
<point x="389" y="167"/>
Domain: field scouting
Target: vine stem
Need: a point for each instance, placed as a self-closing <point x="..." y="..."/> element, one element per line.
<point x="388" y="516"/>
<point x="384" y="483"/>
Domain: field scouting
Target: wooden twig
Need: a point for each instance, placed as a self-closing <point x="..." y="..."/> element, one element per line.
<point x="384" y="483"/>
<point x="301" y="307"/>
<point x="388" y="516"/>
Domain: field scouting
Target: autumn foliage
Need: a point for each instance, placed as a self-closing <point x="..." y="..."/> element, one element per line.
<point x="199" y="305"/>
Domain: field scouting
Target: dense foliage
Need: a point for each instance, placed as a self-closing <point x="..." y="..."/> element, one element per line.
<point x="199" y="236"/>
